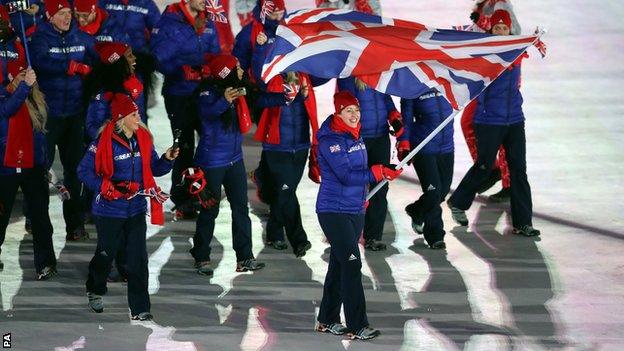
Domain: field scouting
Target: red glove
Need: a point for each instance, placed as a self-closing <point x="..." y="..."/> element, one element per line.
<point x="205" y="71"/>
<point x="395" y="120"/>
<point x="484" y="22"/>
<point x="314" y="172"/>
<point x="190" y="73"/>
<point x="76" y="67"/>
<point x="384" y="172"/>
<point x="403" y="149"/>
<point x="108" y="191"/>
<point x="127" y="188"/>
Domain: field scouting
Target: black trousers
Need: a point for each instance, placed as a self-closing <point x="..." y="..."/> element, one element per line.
<point x="182" y="113"/>
<point x="378" y="150"/>
<point x="110" y="233"/>
<point x="343" y="282"/>
<point x="435" y="172"/>
<point x="234" y="181"/>
<point x="286" y="170"/>
<point x="68" y="135"/>
<point x="489" y="138"/>
<point x="34" y="186"/>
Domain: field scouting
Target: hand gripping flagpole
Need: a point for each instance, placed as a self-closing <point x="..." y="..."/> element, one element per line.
<point x="435" y="132"/>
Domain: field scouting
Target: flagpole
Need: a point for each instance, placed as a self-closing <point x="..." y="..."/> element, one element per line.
<point x="435" y="132"/>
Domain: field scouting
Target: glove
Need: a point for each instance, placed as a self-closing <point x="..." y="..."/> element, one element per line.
<point x="314" y="172"/>
<point x="158" y="194"/>
<point x="484" y="23"/>
<point x="474" y="17"/>
<point x="76" y="67"/>
<point x="194" y="180"/>
<point x="403" y="149"/>
<point x="63" y="192"/>
<point x="190" y="73"/>
<point x="108" y="191"/>
<point x="381" y="172"/>
<point x="205" y="71"/>
<point x="395" y="120"/>
<point x="128" y="189"/>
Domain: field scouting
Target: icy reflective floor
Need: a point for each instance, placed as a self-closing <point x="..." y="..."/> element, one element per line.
<point x="489" y="291"/>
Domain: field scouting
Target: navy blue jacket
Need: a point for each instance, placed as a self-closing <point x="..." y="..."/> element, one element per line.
<point x="111" y="30"/>
<point x="219" y="145"/>
<point x="345" y="175"/>
<point x="128" y="167"/>
<point x="50" y="52"/>
<point x="135" y="18"/>
<point x="424" y="114"/>
<point x="242" y="44"/>
<point x="174" y="44"/>
<point x="501" y="102"/>
<point x="9" y="104"/>
<point x="294" y="122"/>
<point x="98" y="112"/>
<point x="374" y="108"/>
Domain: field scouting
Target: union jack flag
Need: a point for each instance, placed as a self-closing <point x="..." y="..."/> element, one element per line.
<point x="267" y="8"/>
<point x="290" y="91"/>
<point x="392" y="56"/>
<point x="215" y="11"/>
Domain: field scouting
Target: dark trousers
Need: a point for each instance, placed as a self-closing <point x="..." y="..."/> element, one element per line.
<point x="34" y="186"/>
<point x="68" y="135"/>
<point x="343" y="282"/>
<point x="378" y="150"/>
<point x="435" y="172"/>
<point x="182" y="113"/>
<point x="234" y="180"/>
<point x="489" y="138"/>
<point x="110" y="233"/>
<point x="286" y="170"/>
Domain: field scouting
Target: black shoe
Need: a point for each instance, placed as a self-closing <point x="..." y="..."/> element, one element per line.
<point x="249" y="265"/>
<point x="526" y="230"/>
<point x="374" y="245"/>
<point x="204" y="268"/>
<point x="365" y="333"/>
<point x="495" y="176"/>
<point x="459" y="216"/>
<point x="143" y="316"/>
<point x="438" y="245"/>
<point x="277" y="244"/>
<point x="116" y="277"/>
<point x="77" y="235"/>
<point x="503" y="195"/>
<point x="302" y="248"/>
<point x="418" y="222"/>
<point x="96" y="303"/>
<point x="46" y="273"/>
<point x="334" y="328"/>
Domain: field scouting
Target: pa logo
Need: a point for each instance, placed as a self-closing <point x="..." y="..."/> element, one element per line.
<point x="6" y="341"/>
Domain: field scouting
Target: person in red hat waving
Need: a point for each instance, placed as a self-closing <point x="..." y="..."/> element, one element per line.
<point x="340" y="206"/>
<point x="23" y="158"/>
<point x="225" y="117"/>
<point x="120" y="167"/>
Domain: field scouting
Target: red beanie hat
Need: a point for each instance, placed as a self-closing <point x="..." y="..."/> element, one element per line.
<point x="54" y="6"/>
<point x="343" y="99"/>
<point x="121" y="106"/>
<point x="85" y="5"/>
<point x="501" y="16"/>
<point x="222" y="65"/>
<point x="4" y="14"/>
<point x="110" y="52"/>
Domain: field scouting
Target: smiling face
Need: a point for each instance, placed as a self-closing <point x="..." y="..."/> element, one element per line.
<point x="84" y="18"/>
<point x="131" y="60"/>
<point x="350" y="115"/>
<point x="61" y="20"/>
<point x="197" y="5"/>
<point x="501" y="29"/>
<point x="130" y="123"/>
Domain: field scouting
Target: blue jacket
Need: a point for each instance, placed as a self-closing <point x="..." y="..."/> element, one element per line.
<point x="50" y="52"/>
<point x="98" y="112"/>
<point x="29" y="20"/>
<point x="135" y="18"/>
<point x="128" y="167"/>
<point x="9" y="105"/>
<point x="242" y="44"/>
<point x="501" y="102"/>
<point x="219" y="145"/>
<point x="174" y="44"/>
<point x="344" y="172"/>
<point x="374" y="107"/>
<point x="294" y="126"/>
<point x="424" y="114"/>
<point x="111" y="30"/>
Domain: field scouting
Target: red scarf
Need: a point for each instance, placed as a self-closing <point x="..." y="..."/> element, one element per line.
<point x="94" y="27"/>
<point x="19" y="146"/>
<point x="244" y="117"/>
<point x="181" y="6"/>
<point x="104" y="165"/>
<point x="338" y="125"/>
<point x="268" y="127"/>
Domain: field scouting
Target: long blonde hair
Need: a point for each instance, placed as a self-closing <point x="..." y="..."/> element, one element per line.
<point x="360" y="85"/>
<point x="37" y="108"/>
<point x="119" y="128"/>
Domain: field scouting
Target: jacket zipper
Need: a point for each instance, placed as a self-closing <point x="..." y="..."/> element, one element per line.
<point x="440" y="119"/>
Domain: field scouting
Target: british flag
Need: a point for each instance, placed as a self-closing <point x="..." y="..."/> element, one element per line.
<point x="215" y="11"/>
<point x="393" y="56"/>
